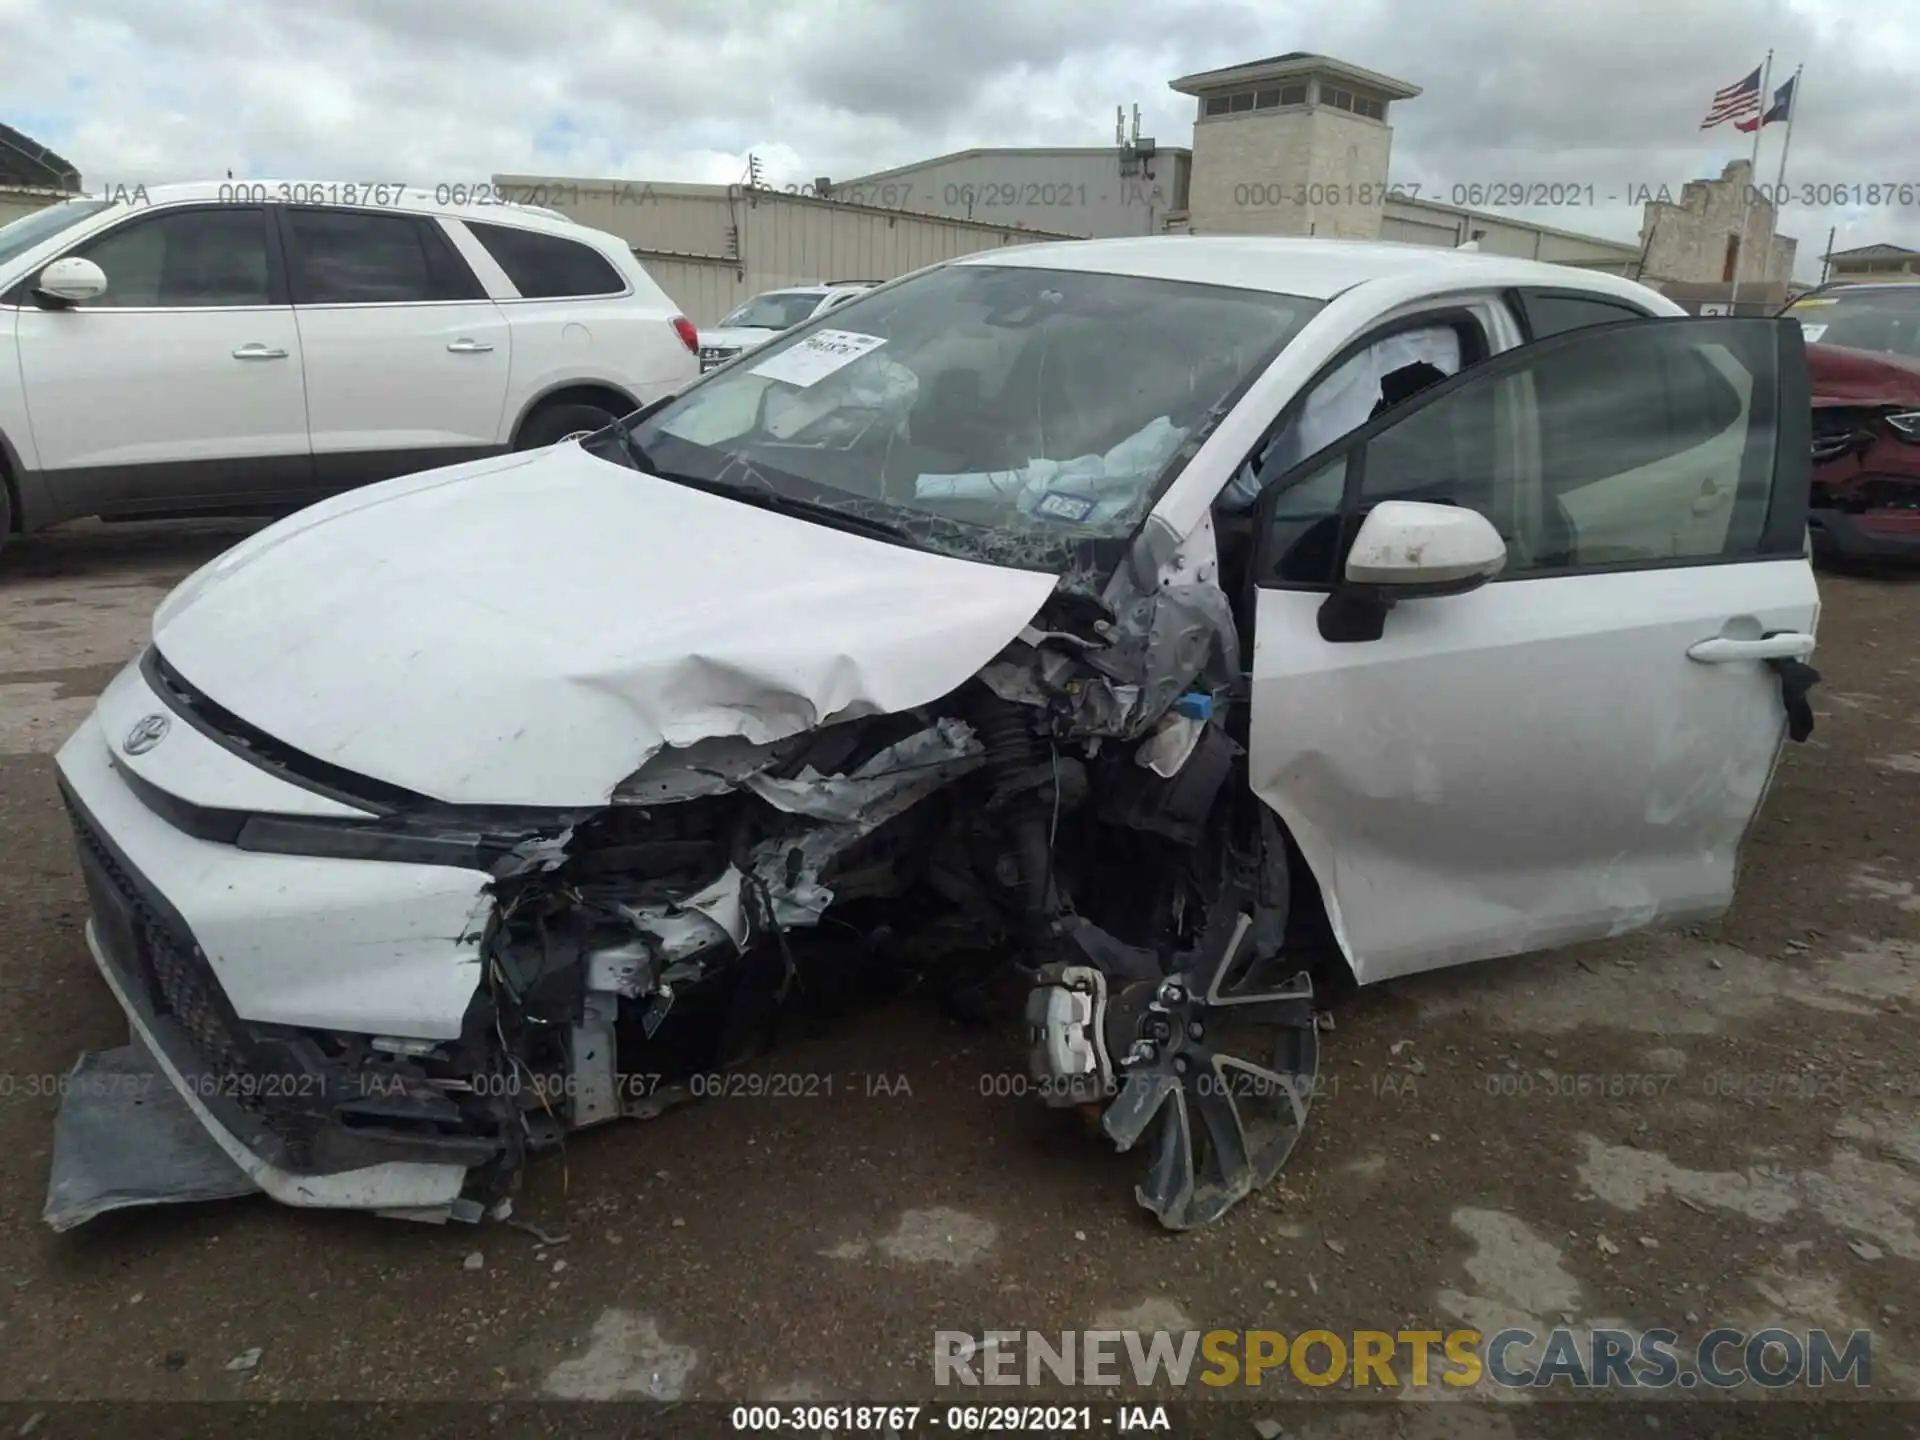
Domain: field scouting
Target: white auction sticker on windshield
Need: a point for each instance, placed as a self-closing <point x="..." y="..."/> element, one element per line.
<point x="817" y="357"/>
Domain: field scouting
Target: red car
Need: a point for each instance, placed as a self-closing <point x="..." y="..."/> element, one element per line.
<point x="1863" y="354"/>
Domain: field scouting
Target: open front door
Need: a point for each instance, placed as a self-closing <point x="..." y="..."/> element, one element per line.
<point x="1577" y="748"/>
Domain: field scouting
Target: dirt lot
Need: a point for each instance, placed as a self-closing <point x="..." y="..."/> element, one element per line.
<point x="1475" y="1158"/>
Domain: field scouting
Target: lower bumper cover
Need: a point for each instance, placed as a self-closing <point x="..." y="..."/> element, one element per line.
<point x="125" y="1136"/>
<point x="121" y="1140"/>
<point x="1858" y="535"/>
<point x="278" y="1126"/>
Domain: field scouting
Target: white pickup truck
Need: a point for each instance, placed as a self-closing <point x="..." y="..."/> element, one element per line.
<point x="766" y="315"/>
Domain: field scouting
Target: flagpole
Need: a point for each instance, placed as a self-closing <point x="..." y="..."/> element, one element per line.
<point x="1753" y="169"/>
<point x="1780" y="177"/>
<point x="1793" y="110"/>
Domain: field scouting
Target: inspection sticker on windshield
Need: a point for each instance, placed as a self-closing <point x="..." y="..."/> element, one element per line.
<point x="1058" y="505"/>
<point x="817" y="357"/>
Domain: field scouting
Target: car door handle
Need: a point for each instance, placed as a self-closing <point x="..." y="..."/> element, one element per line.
<point x="1788" y="645"/>
<point x="469" y="347"/>
<point x="259" y="352"/>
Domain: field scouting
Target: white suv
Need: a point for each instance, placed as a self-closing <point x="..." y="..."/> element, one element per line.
<point x="248" y="347"/>
<point x="766" y="315"/>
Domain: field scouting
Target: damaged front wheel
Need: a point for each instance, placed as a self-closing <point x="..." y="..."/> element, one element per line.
<point x="1213" y="1066"/>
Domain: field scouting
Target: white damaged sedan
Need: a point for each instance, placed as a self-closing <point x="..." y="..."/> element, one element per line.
<point x="1184" y="625"/>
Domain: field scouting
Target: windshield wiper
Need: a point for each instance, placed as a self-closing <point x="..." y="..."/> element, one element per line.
<point x="784" y="504"/>
<point x="768" y="498"/>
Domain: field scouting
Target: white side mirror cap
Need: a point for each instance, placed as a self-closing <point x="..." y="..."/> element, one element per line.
<point x="73" y="279"/>
<point x="1410" y="544"/>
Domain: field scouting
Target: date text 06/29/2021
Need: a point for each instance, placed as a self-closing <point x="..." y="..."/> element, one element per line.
<point x="903" y="1420"/>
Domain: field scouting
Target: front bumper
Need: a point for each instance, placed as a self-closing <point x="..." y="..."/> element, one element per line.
<point x="1867" y="536"/>
<point x="238" y="971"/>
<point x="422" y="1190"/>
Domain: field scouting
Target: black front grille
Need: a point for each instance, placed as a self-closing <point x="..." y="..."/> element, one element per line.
<point x="270" y="1085"/>
<point x="180" y="984"/>
<point x="160" y="956"/>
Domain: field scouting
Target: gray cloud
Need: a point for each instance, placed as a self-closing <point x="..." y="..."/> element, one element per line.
<point x="1606" y="96"/>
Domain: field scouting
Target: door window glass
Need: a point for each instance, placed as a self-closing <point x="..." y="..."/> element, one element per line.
<point x="1303" y="536"/>
<point x="194" y="258"/>
<point x="1549" y="314"/>
<point x="1642" y="445"/>
<point x="357" y="257"/>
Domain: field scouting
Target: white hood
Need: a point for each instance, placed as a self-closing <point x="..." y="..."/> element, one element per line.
<point x="737" y="337"/>
<point x="528" y="630"/>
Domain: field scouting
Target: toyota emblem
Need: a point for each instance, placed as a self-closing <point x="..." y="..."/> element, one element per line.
<point x="147" y="732"/>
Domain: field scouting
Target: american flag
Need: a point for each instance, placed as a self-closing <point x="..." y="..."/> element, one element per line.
<point x="1781" y="109"/>
<point x="1734" y="102"/>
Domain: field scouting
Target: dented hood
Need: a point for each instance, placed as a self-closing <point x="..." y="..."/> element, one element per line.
<point x="1843" y="376"/>
<point x="528" y="630"/>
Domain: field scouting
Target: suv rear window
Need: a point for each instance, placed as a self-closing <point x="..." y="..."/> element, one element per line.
<point x="547" y="267"/>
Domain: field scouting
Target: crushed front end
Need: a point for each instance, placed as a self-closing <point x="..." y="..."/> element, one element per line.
<point x="369" y="999"/>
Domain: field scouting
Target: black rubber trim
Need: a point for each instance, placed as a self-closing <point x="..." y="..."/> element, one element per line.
<point x="324" y="837"/>
<point x="403" y="827"/>
<point x="222" y="827"/>
<point x="255" y="746"/>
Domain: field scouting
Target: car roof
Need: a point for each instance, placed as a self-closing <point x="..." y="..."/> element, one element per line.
<point x="371" y="195"/>
<point x="1311" y="268"/>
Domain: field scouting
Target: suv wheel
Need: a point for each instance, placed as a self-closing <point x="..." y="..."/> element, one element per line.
<point x="554" y="423"/>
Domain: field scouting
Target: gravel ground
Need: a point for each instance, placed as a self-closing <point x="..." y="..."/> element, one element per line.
<point x="1761" y="1165"/>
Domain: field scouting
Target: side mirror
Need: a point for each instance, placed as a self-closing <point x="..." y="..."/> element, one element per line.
<point x="1409" y="550"/>
<point x="1421" y="549"/>
<point x="71" y="281"/>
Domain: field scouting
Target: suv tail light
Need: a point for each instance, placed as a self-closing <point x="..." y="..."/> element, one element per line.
<point x="689" y="336"/>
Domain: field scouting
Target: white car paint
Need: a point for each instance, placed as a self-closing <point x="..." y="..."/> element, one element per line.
<point x="140" y="387"/>
<point x="643" y="613"/>
<point x="526" y="631"/>
<point x="193" y="768"/>
<point x="405" y="377"/>
<point x="1403" y="539"/>
<point x="387" y="949"/>
<point x="1358" y="747"/>
<point x="734" y="338"/>
<point x="395" y="1186"/>
<point x="100" y="391"/>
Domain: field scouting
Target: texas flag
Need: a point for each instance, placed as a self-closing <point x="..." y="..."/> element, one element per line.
<point x="1781" y="109"/>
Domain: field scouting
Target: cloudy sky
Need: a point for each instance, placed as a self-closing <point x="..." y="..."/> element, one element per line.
<point x="1609" y="95"/>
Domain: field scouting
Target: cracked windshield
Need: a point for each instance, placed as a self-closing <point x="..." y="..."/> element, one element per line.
<point x="1012" y="403"/>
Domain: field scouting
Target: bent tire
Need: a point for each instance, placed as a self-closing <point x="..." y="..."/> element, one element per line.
<point x="554" y="423"/>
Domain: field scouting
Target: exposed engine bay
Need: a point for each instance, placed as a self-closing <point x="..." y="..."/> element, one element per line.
<point x="1077" y="816"/>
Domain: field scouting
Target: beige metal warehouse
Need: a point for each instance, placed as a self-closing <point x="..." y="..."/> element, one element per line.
<point x="711" y="247"/>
